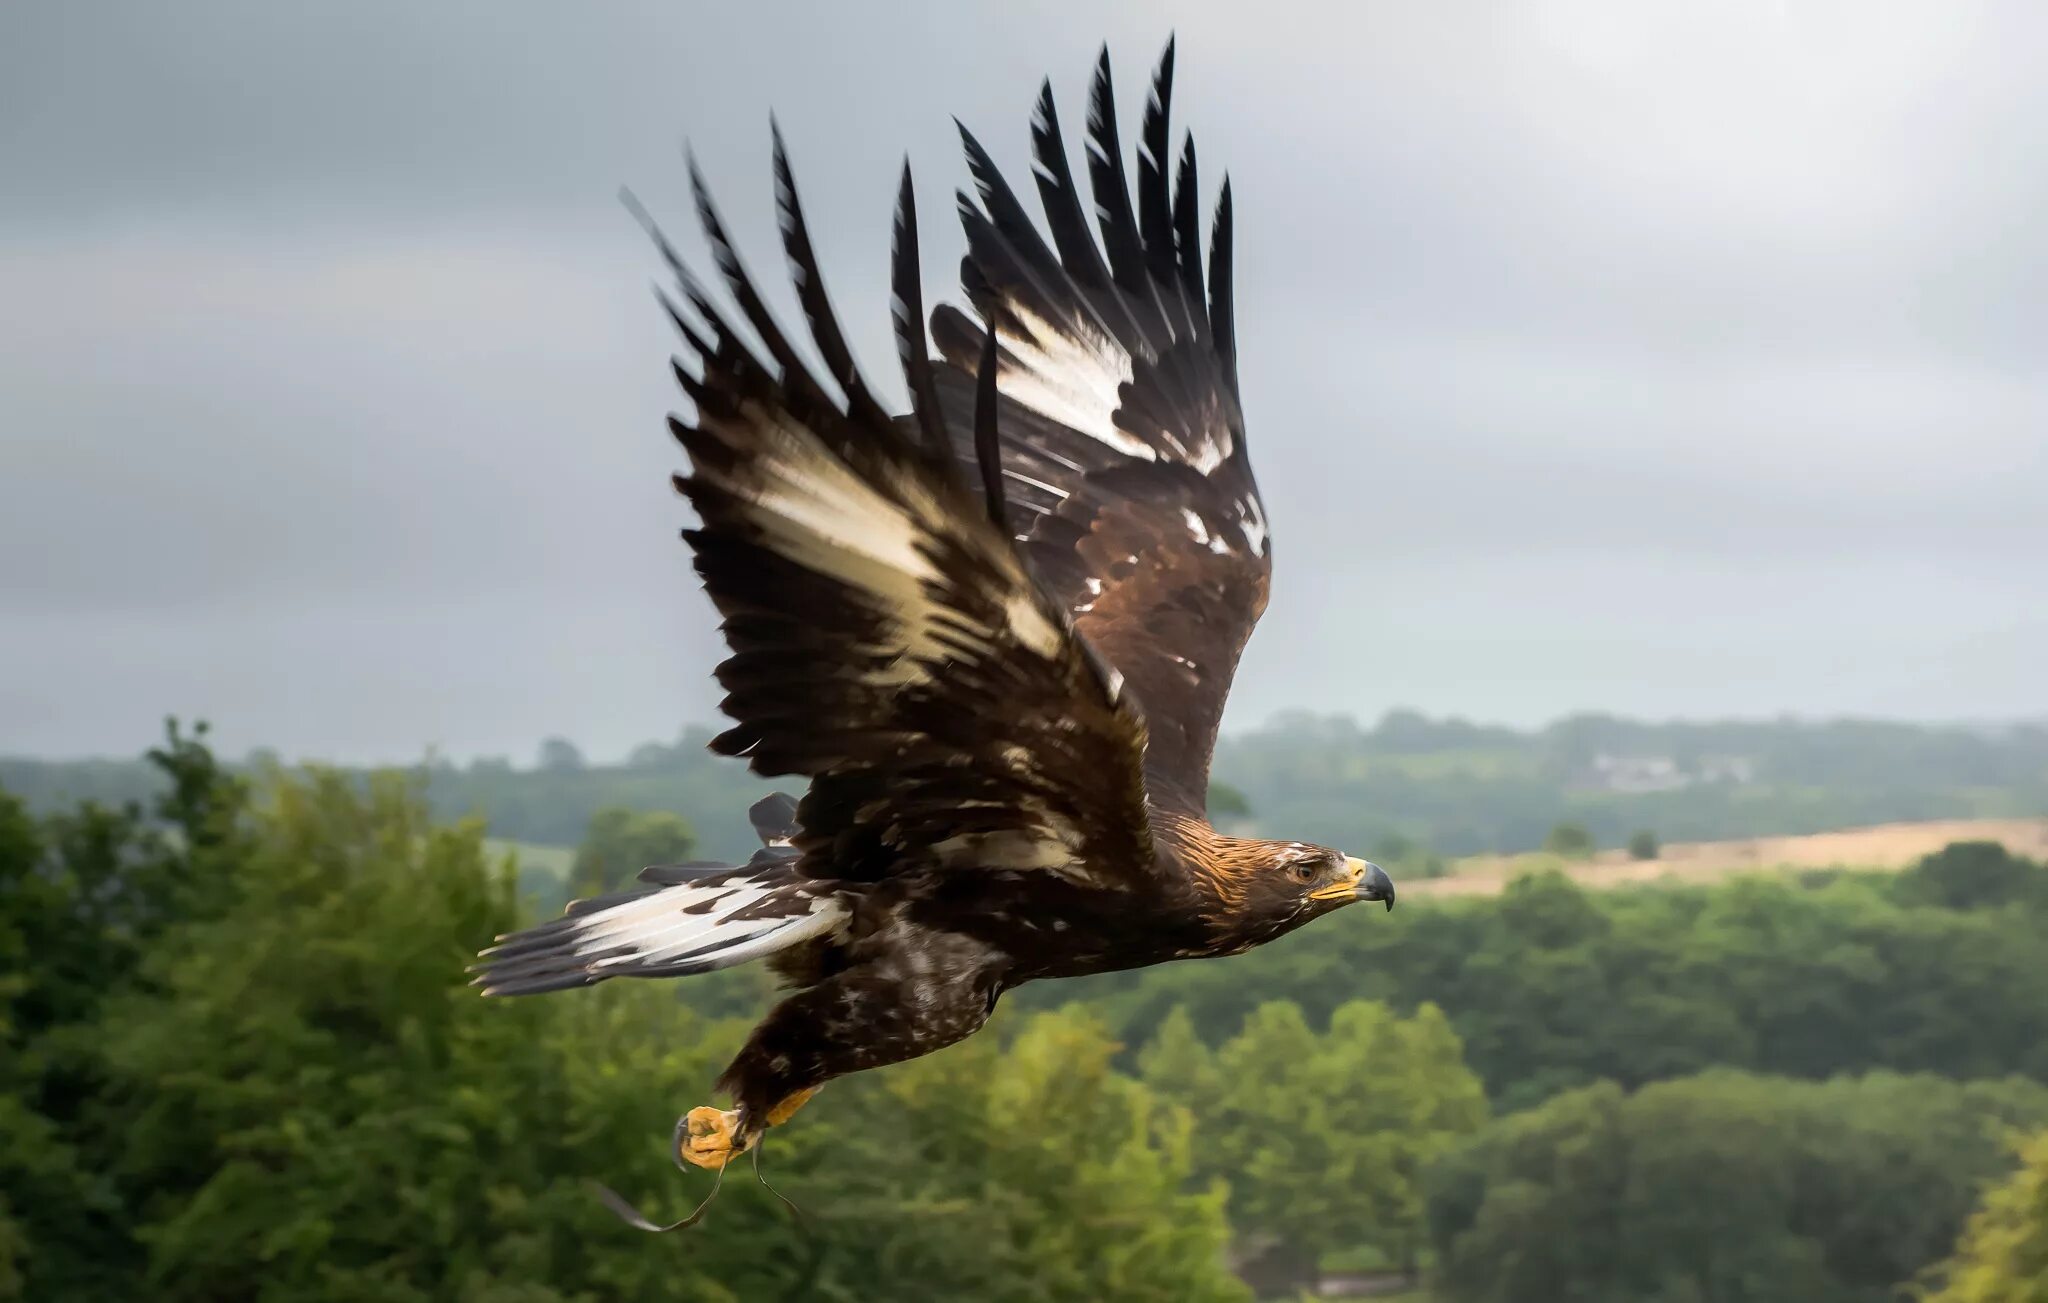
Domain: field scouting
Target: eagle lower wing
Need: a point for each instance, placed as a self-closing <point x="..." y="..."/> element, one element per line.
<point x="888" y="641"/>
<point x="1123" y="452"/>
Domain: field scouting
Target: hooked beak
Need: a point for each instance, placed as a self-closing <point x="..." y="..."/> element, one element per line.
<point x="1367" y="882"/>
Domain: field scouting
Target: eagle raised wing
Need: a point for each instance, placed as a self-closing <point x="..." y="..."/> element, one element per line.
<point x="1123" y="451"/>
<point x="984" y="808"/>
<point x="888" y="641"/>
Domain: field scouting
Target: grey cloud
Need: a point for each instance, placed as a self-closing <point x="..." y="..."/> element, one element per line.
<point x="1659" y="359"/>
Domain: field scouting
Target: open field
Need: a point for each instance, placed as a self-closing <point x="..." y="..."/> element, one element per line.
<point x="1885" y="846"/>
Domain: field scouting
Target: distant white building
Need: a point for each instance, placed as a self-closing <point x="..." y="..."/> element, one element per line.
<point x="1635" y="774"/>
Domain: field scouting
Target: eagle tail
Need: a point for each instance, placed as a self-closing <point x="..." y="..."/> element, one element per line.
<point x="689" y="918"/>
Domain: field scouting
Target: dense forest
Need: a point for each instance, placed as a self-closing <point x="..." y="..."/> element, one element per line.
<point x="238" y="1062"/>
<point x="1409" y="782"/>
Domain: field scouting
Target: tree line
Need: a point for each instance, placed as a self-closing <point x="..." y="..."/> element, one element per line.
<point x="1408" y="788"/>
<point x="237" y="1062"/>
<point x="241" y="1063"/>
<point x="1942" y="968"/>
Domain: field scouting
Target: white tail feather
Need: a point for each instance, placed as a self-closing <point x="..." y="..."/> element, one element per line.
<point x="693" y="927"/>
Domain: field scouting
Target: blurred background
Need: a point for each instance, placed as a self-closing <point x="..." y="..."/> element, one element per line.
<point x="1648" y="403"/>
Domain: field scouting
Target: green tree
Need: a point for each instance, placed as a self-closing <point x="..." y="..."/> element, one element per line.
<point x="558" y="755"/>
<point x="1025" y="1172"/>
<point x="294" y="1097"/>
<point x="2003" y="1255"/>
<point x="621" y="842"/>
<point x="1227" y="803"/>
<point x="1642" y="845"/>
<point x="1552" y="986"/>
<point x="1723" y="1186"/>
<point x="1322" y="1139"/>
<point x="1176" y="1063"/>
<point x="85" y="897"/>
<point x="1570" y="840"/>
<point x="1973" y="875"/>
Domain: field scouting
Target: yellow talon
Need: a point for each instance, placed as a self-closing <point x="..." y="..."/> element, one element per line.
<point x="709" y="1137"/>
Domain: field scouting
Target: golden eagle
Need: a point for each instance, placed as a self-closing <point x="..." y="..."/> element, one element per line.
<point x="995" y="634"/>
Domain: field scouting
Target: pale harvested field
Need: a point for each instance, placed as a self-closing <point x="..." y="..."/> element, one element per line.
<point x="1886" y="846"/>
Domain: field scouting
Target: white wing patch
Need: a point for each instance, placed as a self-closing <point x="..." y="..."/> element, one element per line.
<point x="816" y="511"/>
<point x="691" y="927"/>
<point x="658" y="930"/>
<point x="1253" y="523"/>
<point x="1048" y="841"/>
<point x="1073" y="372"/>
<point x="1212" y="451"/>
<point x="1030" y="627"/>
<point x="1070" y="373"/>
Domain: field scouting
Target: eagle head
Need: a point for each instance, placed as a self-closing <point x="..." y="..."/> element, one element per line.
<point x="1315" y="879"/>
<point x="1264" y="889"/>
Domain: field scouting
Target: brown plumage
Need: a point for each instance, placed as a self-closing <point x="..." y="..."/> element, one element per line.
<point x="996" y="635"/>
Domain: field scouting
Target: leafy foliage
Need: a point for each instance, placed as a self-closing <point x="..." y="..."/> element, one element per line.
<point x="85" y="897"/>
<point x="621" y="842"/>
<point x="237" y="1062"/>
<point x="287" y="1093"/>
<point x="1301" y="1124"/>
<point x="1551" y="987"/>
<point x="2003" y="1257"/>
<point x="1723" y="1186"/>
<point x="1228" y="805"/>
<point x="558" y="755"/>
<point x="1570" y="840"/>
<point x="1974" y="875"/>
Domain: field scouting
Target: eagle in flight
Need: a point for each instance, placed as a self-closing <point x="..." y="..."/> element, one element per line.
<point x="995" y="634"/>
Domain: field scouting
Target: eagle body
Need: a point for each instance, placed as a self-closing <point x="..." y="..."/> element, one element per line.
<point x="995" y="634"/>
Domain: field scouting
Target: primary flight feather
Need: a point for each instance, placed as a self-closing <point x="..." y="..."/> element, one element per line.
<point x="995" y="634"/>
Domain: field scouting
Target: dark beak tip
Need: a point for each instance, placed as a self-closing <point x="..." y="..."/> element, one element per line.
<point x="1378" y="886"/>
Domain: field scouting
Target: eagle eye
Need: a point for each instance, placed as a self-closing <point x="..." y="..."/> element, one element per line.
<point x="1302" y="871"/>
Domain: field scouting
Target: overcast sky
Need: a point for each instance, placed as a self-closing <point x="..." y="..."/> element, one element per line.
<point x="1677" y="360"/>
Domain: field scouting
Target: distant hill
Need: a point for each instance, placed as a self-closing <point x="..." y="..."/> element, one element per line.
<point x="1465" y="789"/>
<point x="1405" y="787"/>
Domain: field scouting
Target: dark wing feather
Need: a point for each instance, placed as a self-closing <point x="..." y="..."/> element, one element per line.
<point x="1187" y="234"/>
<point x="1123" y="452"/>
<point x="810" y="289"/>
<point x="1120" y="234"/>
<point x="888" y="641"/>
<point x="1155" y="211"/>
<point x="1222" y="299"/>
<point x="906" y="308"/>
<point x="988" y="446"/>
<point x="1060" y="199"/>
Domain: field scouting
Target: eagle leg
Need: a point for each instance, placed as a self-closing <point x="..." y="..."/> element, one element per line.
<point x="863" y="1017"/>
<point x="710" y="1137"/>
<point x="786" y="1109"/>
